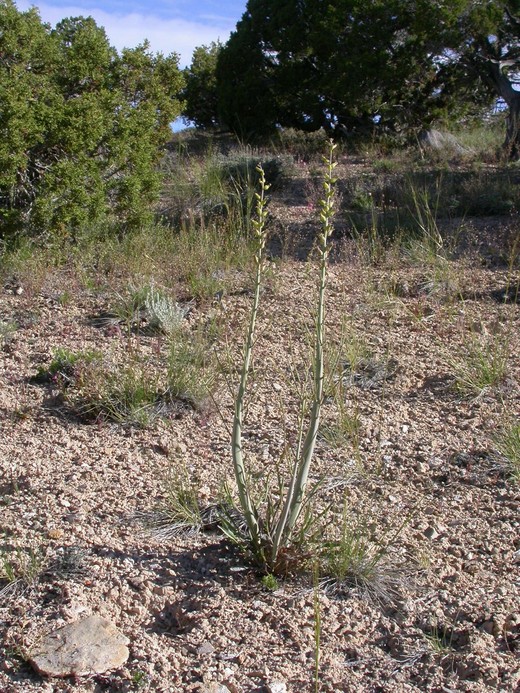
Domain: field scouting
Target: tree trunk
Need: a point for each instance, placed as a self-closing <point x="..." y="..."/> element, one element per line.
<point x="512" y="141"/>
<point x="504" y="88"/>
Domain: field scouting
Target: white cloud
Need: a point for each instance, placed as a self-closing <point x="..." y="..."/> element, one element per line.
<point x="128" y="30"/>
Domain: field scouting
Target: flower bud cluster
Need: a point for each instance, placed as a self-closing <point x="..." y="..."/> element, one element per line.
<point x="327" y="203"/>
<point x="260" y="223"/>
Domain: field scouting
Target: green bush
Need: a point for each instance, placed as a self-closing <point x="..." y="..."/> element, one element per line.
<point x="81" y="125"/>
<point x="301" y="144"/>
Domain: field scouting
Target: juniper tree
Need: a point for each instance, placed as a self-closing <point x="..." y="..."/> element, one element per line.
<point x="368" y="65"/>
<point x="81" y="126"/>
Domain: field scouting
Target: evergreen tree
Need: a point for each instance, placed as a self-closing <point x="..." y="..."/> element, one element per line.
<point x="81" y="126"/>
<point x="364" y="65"/>
<point x="200" y="93"/>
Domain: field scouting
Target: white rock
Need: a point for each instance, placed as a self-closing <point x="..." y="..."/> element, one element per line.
<point x="277" y="687"/>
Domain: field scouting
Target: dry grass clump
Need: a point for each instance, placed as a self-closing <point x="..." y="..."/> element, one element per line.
<point x="483" y="365"/>
<point x="356" y="561"/>
<point x="508" y="444"/>
<point x="96" y="387"/>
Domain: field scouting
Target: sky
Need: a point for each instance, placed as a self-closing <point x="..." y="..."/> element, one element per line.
<point x="174" y="26"/>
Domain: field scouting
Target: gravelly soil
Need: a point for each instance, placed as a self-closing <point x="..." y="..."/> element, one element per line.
<point x="423" y="474"/>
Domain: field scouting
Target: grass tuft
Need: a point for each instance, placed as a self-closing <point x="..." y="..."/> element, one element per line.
<point x="269" y="582"/>
<point x="358" y="561"/>
<point x="136" y="391"/>
<point x="508" y="444"/>
<point x="440" y="639"/>
<point x="179" y="514"/>
<point x="483" y="366"/>
<point x="7" y="330"/>
<point x="19" y="569"/>
<point x="345" y="429"/>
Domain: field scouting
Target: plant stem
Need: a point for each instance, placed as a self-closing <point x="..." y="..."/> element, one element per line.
<point x="296" y="493"/>
<point x="250" y="514"/>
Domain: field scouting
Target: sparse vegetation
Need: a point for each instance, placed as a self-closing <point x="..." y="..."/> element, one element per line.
<point x="269" y="582"/>
<point x="347" y="517"/>
<point x="180" y="512"/>
<point x="345" y="428"/>
<point x="7" y="330"/>
<point x="97" y="387"/>
<point x="439" y="638"/>
<point x="357" y="560"/>
<point x="137" y="334"/>
<point x="22" y="566"/>
<point x="67" y="368"/>
<point x="150" y="308"/>
<point x="164" y="314"/>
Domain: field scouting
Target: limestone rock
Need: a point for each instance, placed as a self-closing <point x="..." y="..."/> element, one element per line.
<point x="439" y="141"/>
<point x="91" y="646"/>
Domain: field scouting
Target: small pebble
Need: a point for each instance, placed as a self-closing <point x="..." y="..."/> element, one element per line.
<point x="431" y="533"/>
<point x="277" y="687"/>
<point x="205" y="649"/>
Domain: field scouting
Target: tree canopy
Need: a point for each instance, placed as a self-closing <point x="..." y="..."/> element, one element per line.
<point x="200" y="92"/>
<point x="359" y="65"/>
<point x="81" y="125"/>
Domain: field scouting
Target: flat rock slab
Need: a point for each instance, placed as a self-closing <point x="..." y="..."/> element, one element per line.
<point x="91" y="646"/>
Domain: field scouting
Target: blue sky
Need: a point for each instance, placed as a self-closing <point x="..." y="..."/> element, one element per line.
<point x="175" y="26"/>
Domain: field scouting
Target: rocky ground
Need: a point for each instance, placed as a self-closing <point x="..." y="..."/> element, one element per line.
<point x="417" y="475"/>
